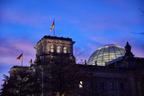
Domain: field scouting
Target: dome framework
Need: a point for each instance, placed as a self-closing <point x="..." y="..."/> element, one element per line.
<point x="105" y="54"/>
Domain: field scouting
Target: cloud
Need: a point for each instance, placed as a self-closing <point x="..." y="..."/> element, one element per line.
<point x="10" y="49"/>
<point x="138" y="52"/>
<point x="138" y="33"/>
<point x="103" y="23"/>
<point x="142" y="33"/>
<point x="18" y="17"/>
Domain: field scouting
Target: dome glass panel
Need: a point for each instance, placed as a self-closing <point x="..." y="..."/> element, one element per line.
<point x="105" y="54"/>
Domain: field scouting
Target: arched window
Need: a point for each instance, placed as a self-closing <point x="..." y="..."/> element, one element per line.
<point x="58" y="49"/>
<point x="65" y="49"/>
<point x="52" y="48"/>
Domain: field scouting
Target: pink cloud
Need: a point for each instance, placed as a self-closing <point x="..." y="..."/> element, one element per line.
<point x="13" y="49"/>
<point x="138" y="52"/>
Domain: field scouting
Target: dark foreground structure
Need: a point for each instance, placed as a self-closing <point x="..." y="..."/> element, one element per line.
<point x="55" y="73"/>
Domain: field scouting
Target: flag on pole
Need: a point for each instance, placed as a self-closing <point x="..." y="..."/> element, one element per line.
<point x="20" y="56"/>
<point x="52" y="26"/>
<point x="30" y="62"/>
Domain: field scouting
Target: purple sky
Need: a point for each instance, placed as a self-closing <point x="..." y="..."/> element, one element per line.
<point x="91" y="23"/>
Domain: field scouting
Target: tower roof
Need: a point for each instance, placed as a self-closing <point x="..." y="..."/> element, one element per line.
<point x="56" y="38"/>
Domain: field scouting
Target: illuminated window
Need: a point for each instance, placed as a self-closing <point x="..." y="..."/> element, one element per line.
<point x="58" y="49"/>
<point x="65" y="49"/>
<point x="52" y="48"/>
<point x="81" y="84"/>
<point x="47" y="48"/>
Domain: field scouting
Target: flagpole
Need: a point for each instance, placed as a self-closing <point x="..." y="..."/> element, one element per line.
<point x="54" y="32"/>
<point x="22" y="61"/>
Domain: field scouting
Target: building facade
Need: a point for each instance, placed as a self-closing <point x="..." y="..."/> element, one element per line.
<point x="55" y="73"/>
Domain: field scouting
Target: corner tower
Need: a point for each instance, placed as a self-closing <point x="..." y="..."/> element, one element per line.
<point x="52" y="49"/>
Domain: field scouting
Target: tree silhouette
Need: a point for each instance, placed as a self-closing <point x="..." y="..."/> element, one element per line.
<point x="21" y="84"/>
<point x="5" y="86"/>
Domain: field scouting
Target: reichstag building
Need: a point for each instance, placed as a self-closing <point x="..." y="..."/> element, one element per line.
<point x="111" y="70"/>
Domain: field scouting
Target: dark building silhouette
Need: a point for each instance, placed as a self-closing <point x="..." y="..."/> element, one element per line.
<point x="55" y="73"/>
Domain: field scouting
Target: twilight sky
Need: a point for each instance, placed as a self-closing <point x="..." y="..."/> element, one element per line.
<point x="91" y="23"/>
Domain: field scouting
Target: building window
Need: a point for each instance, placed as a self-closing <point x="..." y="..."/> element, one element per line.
<point x="58" y="49"/>
<point x="65" y="49"/>
<point x="52" y="48"/>
<point x="81" y="84"/>
<point x="47" y="48"/>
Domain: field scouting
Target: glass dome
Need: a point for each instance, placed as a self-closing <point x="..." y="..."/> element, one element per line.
<point x="105" y="54"/>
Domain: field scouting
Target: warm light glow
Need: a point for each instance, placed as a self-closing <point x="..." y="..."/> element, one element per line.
<point x="47" y="48"/>
<point x="52" y="48"/>
<point x="81" y="84"/>
<point x="65" y="49"/>
<point x="58" y="49"/>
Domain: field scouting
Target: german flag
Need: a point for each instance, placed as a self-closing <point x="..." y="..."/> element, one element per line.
<point x="20" y="56"/>
<point x="52" y="26"/>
